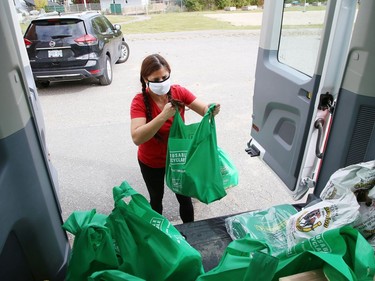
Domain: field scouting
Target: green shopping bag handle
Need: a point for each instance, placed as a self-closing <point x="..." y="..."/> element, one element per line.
<point x="209" y="114"/>
<point x="210" y="109"/>
<point x="207" y="127"/>
<point x="177" y="128"/>
<point x="122" y="191"/>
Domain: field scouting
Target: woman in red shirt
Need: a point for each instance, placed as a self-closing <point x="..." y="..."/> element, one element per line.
<point x="152" y="114"/>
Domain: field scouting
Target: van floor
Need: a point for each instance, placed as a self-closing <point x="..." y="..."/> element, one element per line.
<point x="209" y="237"/>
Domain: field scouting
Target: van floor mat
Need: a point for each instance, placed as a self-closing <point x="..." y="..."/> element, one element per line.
<point x="209" y="237"/>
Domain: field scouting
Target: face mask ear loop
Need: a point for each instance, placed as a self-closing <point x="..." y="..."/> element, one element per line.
<point x="147" y="83"/>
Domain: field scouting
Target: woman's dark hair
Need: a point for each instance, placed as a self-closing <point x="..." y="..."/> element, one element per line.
<point x="151" y="64"/>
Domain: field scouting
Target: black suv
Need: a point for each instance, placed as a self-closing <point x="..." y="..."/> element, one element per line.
<point x="73" y="47"/>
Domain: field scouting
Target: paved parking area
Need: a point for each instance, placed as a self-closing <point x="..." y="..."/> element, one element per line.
<point x="88" y="125"/>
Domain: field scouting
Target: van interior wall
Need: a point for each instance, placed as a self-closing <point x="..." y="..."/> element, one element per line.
<point x="354" y="116"/>
<point x="33" y="246"/>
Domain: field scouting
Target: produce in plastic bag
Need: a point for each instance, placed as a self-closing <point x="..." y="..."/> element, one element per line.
<point x="365" y="223"/>
<point x="357" y="178"/>
<point x="266" y="225"/>
<point x="323" y="216"/>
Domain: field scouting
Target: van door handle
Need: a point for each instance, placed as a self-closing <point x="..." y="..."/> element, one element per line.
<point x="319" y="123"/>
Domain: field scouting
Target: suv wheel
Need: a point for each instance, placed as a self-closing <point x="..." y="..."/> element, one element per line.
<point x="42" y="84"/>
<point x="124" y="53"/>
<point x="106" y="78"/>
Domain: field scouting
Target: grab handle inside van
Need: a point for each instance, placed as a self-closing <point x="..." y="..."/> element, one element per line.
<point x="319" y="123"/>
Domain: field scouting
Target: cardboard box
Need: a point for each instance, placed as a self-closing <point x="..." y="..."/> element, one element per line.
<point x="313" y="275"/>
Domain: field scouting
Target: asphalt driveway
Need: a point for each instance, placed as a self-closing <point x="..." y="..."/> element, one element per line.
<point x="88" y="125"/>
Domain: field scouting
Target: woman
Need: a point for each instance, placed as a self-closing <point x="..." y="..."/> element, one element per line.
<point x="152" y="114"/>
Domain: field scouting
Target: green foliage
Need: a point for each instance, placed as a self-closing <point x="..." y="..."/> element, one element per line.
<point x="40" y="4"/>
<point x="210" y="5"/>
<point x="193" y="5"/>
<point x="221" y="4"/>
<point x="240" y="3"/>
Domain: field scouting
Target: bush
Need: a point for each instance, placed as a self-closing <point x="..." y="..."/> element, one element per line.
<point x="221" y="4"/>
<point x="193" y="5"/>
<point x="200" y="5"/>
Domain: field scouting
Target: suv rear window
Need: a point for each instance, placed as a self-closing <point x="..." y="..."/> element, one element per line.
<point x="46" y="30"/>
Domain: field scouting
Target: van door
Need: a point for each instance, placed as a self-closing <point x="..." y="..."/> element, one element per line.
<point x="33" y="245"/>
<point x="301" y="60"/>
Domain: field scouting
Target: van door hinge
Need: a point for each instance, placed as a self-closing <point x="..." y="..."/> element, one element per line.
<point x="326" y="102"/>
<point x="252" y="150"/>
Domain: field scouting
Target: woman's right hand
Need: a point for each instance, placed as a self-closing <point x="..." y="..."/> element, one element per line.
<point x="168" y="111"/>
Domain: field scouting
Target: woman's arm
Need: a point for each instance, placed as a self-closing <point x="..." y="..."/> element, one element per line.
<point x="201" y="107"/>
<point x="141" y="131"/>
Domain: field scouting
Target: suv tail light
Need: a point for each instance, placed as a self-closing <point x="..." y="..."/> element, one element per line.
<point x="28" y="43"/>
<point x="86" y="40"/>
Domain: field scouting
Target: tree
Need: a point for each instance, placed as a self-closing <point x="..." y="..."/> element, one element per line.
<point x="221" y="4"/>
<point x="210" y="5"/>
<point x="193" y="5"/>
<point x="40" y="4"/>
<point x="240" y="3"/>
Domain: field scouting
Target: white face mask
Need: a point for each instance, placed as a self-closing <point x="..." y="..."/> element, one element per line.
<point x="160" y="88"/>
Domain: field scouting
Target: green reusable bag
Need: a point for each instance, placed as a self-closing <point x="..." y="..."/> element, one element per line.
<point x="149" y="245"/>
<point x="192" y="165"/>
<point x="93" y="248"/>
<point x="228" y="170"/>
<point x="343" y="254"/>
<point x="239" y="260"/>
<point x="267" y="225"/>
<point x="113" y="275"/>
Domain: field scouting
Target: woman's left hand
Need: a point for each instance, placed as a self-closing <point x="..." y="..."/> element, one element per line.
<point x="216" y="109"/>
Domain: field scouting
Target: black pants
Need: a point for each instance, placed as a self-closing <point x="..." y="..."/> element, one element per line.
<point x="154" y="179"/>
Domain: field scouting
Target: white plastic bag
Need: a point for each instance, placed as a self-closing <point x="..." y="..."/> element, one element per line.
<point x="357" y="178"/>
<point x="323" y="216"/>
<point x="365" y="223"/>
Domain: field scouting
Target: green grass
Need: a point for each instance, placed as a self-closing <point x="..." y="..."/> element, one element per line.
<point x="184" y="21"/>
<point x="189" y="21"/>
<point x="174" y="22"/>
<point x="308" y="8"/>
<point x="118" y="18"/>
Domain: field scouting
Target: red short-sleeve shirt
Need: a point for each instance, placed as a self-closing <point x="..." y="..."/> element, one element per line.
<point x="153" y="152"/>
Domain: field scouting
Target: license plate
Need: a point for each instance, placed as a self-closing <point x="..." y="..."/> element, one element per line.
<point x="55" y="54"/>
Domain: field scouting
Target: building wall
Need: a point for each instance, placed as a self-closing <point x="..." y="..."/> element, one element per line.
<point x="126" y="5"/>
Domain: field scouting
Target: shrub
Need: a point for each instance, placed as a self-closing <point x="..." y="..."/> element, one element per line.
<point x="221" y="4"/>
<point x="193" y="5"/>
